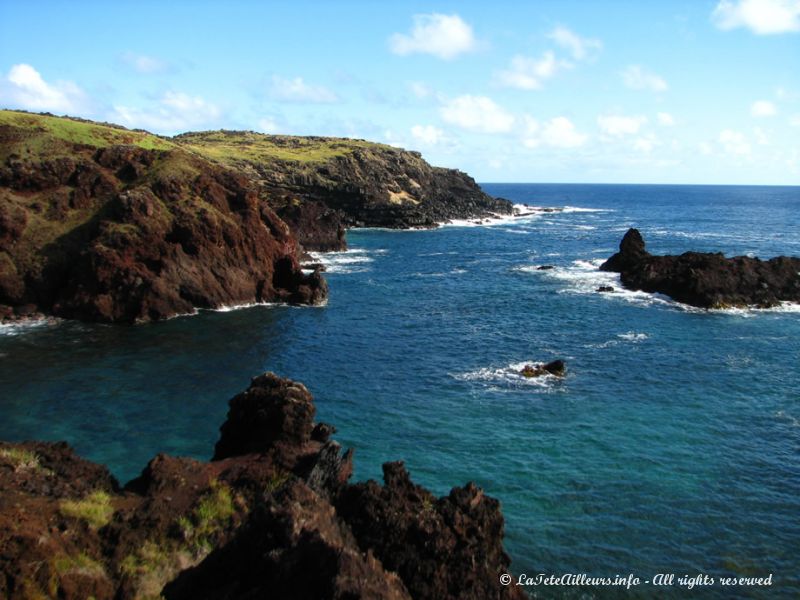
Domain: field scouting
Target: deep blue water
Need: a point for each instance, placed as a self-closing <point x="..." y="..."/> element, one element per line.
<point x="673" y="446"/>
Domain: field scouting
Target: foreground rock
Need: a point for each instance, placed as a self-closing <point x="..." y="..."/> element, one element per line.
<point x="272" y="516"/>
<point x="706" y="280"/>
<point x="104" y="224"/>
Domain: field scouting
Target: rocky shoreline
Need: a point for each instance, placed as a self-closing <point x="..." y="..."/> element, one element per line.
<point x="706" y="280"/>
<point x="100" y="223"/>
<point x="271" y="515"/>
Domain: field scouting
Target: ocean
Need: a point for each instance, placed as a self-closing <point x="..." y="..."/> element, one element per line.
<point x="672" y="446"/>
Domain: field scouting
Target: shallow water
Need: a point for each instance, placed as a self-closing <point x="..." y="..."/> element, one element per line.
<point x="671" y="446"/>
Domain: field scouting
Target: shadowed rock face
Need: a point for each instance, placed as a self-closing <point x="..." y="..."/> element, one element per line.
<point x="706" y="280"/>
<point x="271" y="516"/>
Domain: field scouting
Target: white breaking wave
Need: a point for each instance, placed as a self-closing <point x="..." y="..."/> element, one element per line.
<point x="354" y="260"/>
<point x="632" y="336"/>
<point x="18" y="328"/>
<point x="231" y="307"/>
<point x="509" y="375"/>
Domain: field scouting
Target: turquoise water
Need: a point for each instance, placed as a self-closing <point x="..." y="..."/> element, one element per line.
<point x="673" y="446"/>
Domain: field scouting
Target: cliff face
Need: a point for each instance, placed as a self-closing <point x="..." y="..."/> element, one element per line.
<point x="321" y="185"/>
<point x="271" y="516"/>
<point x="706" y="280"/>
<point x="101" y="223"/>
<point x="104" y="224"/>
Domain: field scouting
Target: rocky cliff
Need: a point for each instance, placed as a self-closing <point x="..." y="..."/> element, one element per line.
<point x="101" y="223"/>
<point x="322" y="185"/>
<point x="105" y="224"/>
<point x="706" y="280"/>
<point x="272" y="515"/>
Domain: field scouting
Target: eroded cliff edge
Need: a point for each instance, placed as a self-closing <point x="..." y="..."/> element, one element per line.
<point x="272" y="515"/>
<point x="102" y="223"/>
<point x="320" y="186"/>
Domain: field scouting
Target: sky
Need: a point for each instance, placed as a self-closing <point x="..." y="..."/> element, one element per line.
<point x="623" y="91"/>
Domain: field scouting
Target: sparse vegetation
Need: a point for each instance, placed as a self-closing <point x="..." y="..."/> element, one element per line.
<point x="157" y="561"/>
<point x="80" y="564"/>
<point x="277" y="481"/>
<point x="95" y="509"/>
<point x="211" y="515"/>
<point x="151" y="566"/>
<point x="20" y="459"/>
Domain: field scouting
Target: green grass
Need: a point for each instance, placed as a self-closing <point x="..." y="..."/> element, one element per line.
<point x="232" y="146"/>
<point x="95" y="509"/>
<point x="210" y="516"/>
<point x="20" y="459"/>
<point x="43" y="129"/>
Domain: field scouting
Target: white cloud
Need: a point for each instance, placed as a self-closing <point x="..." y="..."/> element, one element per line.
<point x="734" y="142"/>
<point x="297" y="90"/>
<point x="142" y="63"/>
<point x="618" y="125"/>
<point x="705" y="148"/>
<point x="761" y="136"/>
<point x="665" y="119"/>
<point x="427" y="134"/>
<point x="561" y="132"/>
<point x="762" y="17"/>
<point x="637" y="78"/>
<point x="273" y="125"/>
<point x="443" y="36"/>
<point x="558" y="132"/>
<point x="795" y="121"/>
<point x="645" y="144"/>
<point x="581" y="48"/>
<point x="420" y="90"/>
<point x="477" y="113"/>
<point x="24" y="87"/>
<point x="527" y="73"/>
<point x="763" y="108"/>
<point x="174" y="112"/>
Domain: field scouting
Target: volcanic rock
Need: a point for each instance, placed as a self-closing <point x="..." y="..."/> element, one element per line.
<point x="706" y="280"/>
<point x="271" y="516"/>
<point x="556" y="367"/>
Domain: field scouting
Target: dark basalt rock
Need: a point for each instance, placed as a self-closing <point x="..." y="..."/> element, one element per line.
<point x="556" y="367"/>
<point x="442" y="548"/>
<point x="706" y="280"/>
<point x="545" y="268"/>
<point x="370" y="187"/>
<point x="605" y="289"/>
<point x="271" y="516"/>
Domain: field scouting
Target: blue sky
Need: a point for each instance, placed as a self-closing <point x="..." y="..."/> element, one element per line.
<point x="621" y="91"/>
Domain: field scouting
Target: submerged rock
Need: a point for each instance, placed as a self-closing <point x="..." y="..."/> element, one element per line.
<point x="273" y="515"/>
<point x="706" y="280"/>
<point x="605" y="288"/>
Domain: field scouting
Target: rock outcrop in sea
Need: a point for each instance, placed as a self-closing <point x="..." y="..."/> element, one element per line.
<point x="271" y="516"/>
<point x="706" y="280"/>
